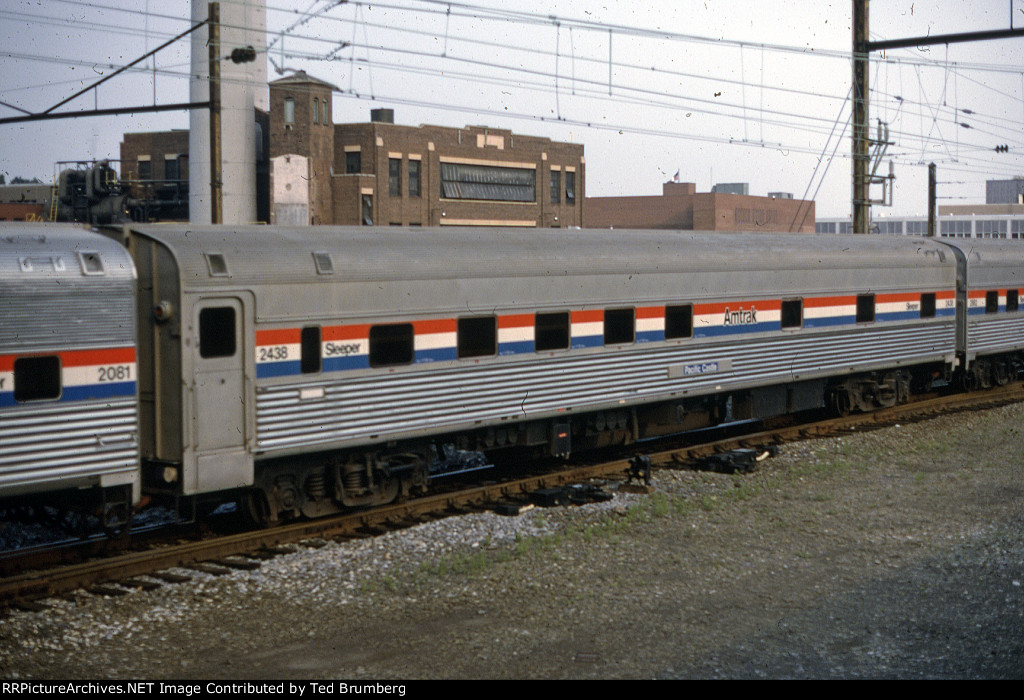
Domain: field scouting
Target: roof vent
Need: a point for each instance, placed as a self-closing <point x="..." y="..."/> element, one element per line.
<point x="382" y="116"/>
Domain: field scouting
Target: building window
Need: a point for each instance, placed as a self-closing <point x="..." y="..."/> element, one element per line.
<point x="395" y="177"/>
<point x="618" y="326"/>
<point x="353" y="162"/>
<point x="792" y="313"/>
<point x="171" y="168"/>
<point x="325" y="117"/>
<point x="570" y="187"/>
<point x="391" y="345"/>
<point x="556" y="187"/>
<point x="414" y="178"/>
<point x="367" y="210"/>
<point x="316" y="111"/>
<point x="289" y="111"/>
<point x="145" y="170"/>
<point x="461" y="181"/>
<point x="551" y="331"/>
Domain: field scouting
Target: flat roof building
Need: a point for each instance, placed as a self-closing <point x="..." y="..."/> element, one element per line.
<point x="382" y="173"/>
<point x="681" y="207"/>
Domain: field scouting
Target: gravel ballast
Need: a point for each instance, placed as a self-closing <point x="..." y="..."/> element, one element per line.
<point x="897" y="553"/>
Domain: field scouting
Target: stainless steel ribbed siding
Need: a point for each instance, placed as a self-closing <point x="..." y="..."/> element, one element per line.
<point x="73" y="316"/>
<point x="69" y="444"/>
<point x="995" y="333"/>
<point x="370" y="408"/>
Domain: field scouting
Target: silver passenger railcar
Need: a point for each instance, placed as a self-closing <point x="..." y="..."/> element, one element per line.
<point x="321" y="367"/>
<point x="68" y="411"/>
<point x="991" y="331"/>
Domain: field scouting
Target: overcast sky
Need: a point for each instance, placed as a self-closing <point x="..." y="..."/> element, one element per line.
<point x="718" y="91"/>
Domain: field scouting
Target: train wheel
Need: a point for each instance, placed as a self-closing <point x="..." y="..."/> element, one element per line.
<point x="840" y="401"/>
<point x="257" y="508"/>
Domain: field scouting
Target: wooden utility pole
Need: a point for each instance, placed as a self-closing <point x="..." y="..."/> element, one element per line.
<point x="862" y="48"/>
<point x="931" y="200"/>
<point x="216" y="185"/>
<point x="861" y="203"/>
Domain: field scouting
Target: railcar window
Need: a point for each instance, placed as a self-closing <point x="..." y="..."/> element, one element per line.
<point x="928" y="305"/>
<point x="679" y="321"/>
<point x="391" y="345"/>
<point x="477" y="337"/>
<point x="217" y="332"/>
<point x="1012" y="300"/>
<point x="618" y="326"/>
<point x="37" y="378"/>
<point x="793" y="313"/>
<point x="310" y="350"/>
<point x="991" y="302"/>
<point x="865" y="308"/>
<point x="551" y="331"/>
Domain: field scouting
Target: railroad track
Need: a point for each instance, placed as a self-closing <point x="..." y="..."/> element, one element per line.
<point x="99" y="567"/>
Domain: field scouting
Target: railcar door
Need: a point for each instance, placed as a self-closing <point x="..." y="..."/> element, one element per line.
<point x="219" y="425"/>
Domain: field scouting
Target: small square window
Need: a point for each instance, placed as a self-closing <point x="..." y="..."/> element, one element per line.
<point x="678" y="322"/>
<point x="792" y="313"/>
<point x="391" y="345"/>
<point x="618" y="326"/>
<point x="37" y="378"/>
<point x="477" y="337"/>
<point x="551" y="331"/>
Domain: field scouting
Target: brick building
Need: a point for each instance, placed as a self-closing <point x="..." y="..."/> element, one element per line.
<point x="153" y="160"/>
<point x="681" y="207"/>
<point x="154" y="168"/>
<point x="388" y="174"/>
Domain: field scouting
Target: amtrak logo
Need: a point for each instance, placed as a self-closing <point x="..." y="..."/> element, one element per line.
<point x="740" y="317"/>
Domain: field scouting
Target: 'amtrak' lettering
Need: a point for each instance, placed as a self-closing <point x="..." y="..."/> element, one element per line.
<point x="740" y="317"/>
